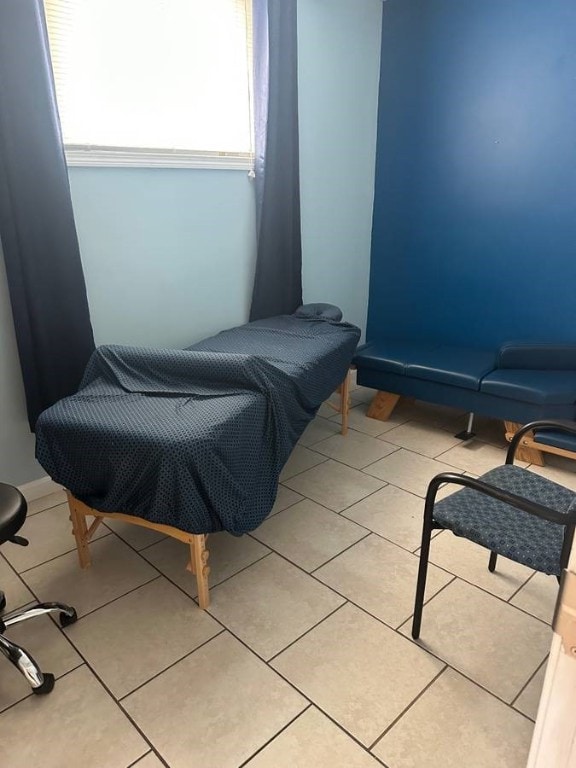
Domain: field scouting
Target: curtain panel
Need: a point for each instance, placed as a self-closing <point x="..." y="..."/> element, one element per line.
<point x="278" y="277"/>
<point x="37" y="230"/>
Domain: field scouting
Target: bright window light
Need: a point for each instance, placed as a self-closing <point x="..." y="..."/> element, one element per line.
<point x="169" y="75"/>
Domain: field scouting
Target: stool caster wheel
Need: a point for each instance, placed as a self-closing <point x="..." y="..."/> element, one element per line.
<point x="46" y="686"/>
<point x="2" y="601"/>
<point x="66" y="619"/>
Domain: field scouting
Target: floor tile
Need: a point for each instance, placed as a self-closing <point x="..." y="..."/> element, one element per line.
<point x="476" y="457"/>
<point x="136" y="536"/>
<point x="313" y="741"/>
<point x="439" y="416"/>
<point x="233" y="706"/>
<point x="529" y="699"/>
<point x="538" y="597"/>
<point x="354" y="449"/>
<point x="115" y="570"/>
<point x="358" y="671"/>
<point x="341" y="526"/>
<point x="308" y="534"/>
<point x="487" y="430"/>
<point x="78" y="724"/>
<point x="270" y="604"/>
<point x="228" y="555"/>
<point x="47" y="645"/>
<point x="13" y="587"/>
<point x="361" y="394"/>
<point x="148" y="761"/>
<point x="408" y="470"/>
<point x="334" y="485"/>
<point x="50" y="535"/>
<point x="326" y="411"/>
<point x="284" y="498"/>
<point x="487" y="640"/>
<point x="318" y="430"/>
<point x="358" y="421"/>
<point x="454" y="724"/>
<point x="300" y="460"/>
<point x="46" y="502"/>
<point x="469" y="561"/>
<point x="393" y="513"/>
<point x="381" y="578"/>
<point x="421" y="438"/>
<point x="145" y="632"/>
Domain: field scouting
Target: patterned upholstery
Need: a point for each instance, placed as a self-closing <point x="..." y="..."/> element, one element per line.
<point x="507" y="530"/>
<point x="195" y="438"/>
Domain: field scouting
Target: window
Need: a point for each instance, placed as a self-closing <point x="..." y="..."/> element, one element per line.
<point x="153" y="82"/>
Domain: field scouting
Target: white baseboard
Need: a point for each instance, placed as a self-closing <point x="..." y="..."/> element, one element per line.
<point x="37" y="489"/>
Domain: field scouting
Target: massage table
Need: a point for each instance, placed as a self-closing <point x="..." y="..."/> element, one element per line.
<point x="192" y="441"/>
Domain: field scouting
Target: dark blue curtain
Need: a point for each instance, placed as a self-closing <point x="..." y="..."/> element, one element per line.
<point x="37" y="230"/>
<point x="278" y="278"/>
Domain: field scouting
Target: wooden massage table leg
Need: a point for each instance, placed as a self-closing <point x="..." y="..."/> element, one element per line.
<point x="345" y="402"/>
<point x="80" y="530"/>
<point x="343" y="407"/>
<point x="524" y="453"/>
<point x="199" y="554"/>
<point x="382" y="405"/>
<point x="199" y="566"/>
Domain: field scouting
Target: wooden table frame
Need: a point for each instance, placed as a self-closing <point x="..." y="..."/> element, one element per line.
<point x="84" y="531"/>
<point x="343" y="406"/>
<point x="198" y="565"/>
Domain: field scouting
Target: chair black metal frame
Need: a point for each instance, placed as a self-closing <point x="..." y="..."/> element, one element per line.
<point x="41" y="682"/>
<point x="565" y="519"/>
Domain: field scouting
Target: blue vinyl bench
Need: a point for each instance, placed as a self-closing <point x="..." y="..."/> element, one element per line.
<point x="518" y="383"/>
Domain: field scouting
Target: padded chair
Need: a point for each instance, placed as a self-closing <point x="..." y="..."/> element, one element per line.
<point x="509" y="510"/>
<point x="13" y="510"/>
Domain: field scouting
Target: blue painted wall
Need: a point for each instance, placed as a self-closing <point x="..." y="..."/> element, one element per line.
<point x="169" y="254"/>
<point x="474" y="235"/>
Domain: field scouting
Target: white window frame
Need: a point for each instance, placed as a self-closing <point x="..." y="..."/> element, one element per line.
<point x="84" y="155"/>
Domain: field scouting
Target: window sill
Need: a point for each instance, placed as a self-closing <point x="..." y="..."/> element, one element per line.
<point x="153" y="158"/>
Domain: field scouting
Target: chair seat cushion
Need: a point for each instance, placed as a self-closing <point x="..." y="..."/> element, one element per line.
<point x="12" y="511"/>
<point x="504" y="529"/>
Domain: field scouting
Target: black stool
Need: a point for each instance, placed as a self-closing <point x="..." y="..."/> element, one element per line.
<point x="13" y="509"/>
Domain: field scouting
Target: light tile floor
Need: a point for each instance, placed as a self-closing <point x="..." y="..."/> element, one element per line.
<point x="304" y="658"/>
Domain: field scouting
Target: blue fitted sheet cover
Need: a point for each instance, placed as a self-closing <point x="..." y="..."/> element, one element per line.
<point x="195" y="438"/>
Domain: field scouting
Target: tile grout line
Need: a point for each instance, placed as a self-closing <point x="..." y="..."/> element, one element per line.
<point x="521" y="691"/>
<point x="135" y="763"/>
<point x="270" y="740"/>
<point x="408" y="707"/>
<point x="45" y="509"/>
<point x="30" y="693"/>
<point x="521" y="587"/>
<point x="300" y="637"/>
<point x="124" y="696"/>
<point x="67" y="552"/>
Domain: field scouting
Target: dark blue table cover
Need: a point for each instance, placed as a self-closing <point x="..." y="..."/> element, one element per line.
<point x="195" y="438"/>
